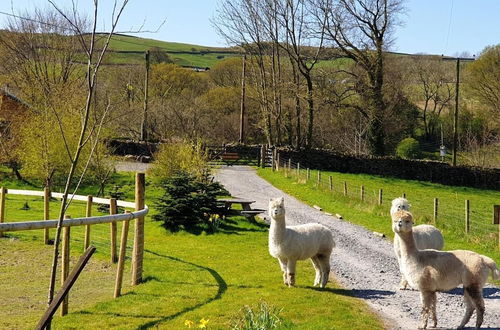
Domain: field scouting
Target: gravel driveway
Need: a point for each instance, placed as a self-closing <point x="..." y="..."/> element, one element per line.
<point x="362" y="261"/>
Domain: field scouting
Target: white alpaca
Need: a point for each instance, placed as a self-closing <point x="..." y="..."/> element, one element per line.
<point x="431" y="271"/>
<point x="426" y="237"/>
<point x="289" y="244"/>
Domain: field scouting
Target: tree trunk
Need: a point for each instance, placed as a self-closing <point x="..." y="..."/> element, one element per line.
<point x="310" y="112"/>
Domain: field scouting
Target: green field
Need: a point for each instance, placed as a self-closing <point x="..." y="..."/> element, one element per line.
<point x="188" y="277"/>
<point x="130" y="50"/>
<point x="483" y="235"/>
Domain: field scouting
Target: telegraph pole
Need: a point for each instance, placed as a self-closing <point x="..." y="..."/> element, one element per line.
<point x="455" y="115"/>
<point x="242" y="106"/>
<point x="144" y="133"/>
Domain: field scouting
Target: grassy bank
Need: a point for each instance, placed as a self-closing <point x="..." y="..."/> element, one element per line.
<point x="482" y="237"/>
<point x="188" y="277"/>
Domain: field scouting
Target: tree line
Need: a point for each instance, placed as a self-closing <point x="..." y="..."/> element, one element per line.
<point x="312" y="74"/>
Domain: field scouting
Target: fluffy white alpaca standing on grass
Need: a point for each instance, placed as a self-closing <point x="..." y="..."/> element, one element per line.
<point x="426" y="237"/>
<point x="289" y="244"/>
<point x="431" y="271"/>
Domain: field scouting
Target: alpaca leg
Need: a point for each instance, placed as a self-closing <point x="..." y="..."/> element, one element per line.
<point x="317" y="267"/>
<point x="403" y="283"/>
<point x="469" y="309"/>
<point x="433" y="300"/>
<point x="476" y="295"/>
<point x="397" y="251"/>
<point x="325" y="269"/>
<point x="283" y="269"/>
<point x="425" y="298"/>
<point x="290" y="269"/>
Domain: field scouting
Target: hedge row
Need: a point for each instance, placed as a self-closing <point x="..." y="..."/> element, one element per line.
<point x="432" y="171"/>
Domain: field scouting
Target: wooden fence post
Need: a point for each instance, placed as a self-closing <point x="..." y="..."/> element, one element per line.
<point x="496" y="221"/>
<point x="112" y="226"/>
<point x="467" y="216"/>
<point x="319" y="178"/>
<point x="121" y="259"/>
<point x="88" y="214"/>
<point x="138" y="251"/>
<point x="65" y="264"/>
<point x="273" y="159"/>
<point x="330" y="182"/>
<point x="436" y="210"/>
<point x="380" y="193"/>
<point x="277" y="159"/>
<point x="46" y="213"/>
<point x="362" y="192"/>
<point x="298" y="171"/>
<point x="3" y="193"/>
<point x="289" y="164"/>
<point x="308" y="174"/>
<point x="345" y="188"/>
<point x="404" y="195"/>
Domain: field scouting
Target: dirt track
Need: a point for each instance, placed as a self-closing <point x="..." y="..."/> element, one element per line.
<point x="362" y="261"/>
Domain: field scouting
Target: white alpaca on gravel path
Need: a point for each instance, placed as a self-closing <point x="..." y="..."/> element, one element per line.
<point x="426" y="237"/>
<point x="289" y="244"/>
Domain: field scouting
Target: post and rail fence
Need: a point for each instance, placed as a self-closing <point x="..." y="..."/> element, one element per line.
<point x="473" y="222"/>
<point x="140" y="210"/>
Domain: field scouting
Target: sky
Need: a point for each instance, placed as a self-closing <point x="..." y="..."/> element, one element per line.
<point x="449" y="27"/>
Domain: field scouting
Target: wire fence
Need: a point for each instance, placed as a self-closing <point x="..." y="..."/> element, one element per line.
<point x="26" y="254"/>
<point x="465" y="215"/>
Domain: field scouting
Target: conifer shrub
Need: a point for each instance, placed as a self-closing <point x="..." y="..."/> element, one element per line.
<point x="188" y="202"/>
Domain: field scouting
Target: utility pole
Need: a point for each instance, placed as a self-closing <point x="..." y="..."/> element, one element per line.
<point x="242" y="106"/>
<point x="144" y="133"/>
<point x="455" y="115"/>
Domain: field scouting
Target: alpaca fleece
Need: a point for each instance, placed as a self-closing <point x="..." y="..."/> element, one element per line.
<point x="289" y="244"/>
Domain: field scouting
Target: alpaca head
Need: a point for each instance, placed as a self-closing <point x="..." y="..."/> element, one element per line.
<point x="399" y="204"/>
<point x="277" y="207"/>
<point x="402" y="222"/>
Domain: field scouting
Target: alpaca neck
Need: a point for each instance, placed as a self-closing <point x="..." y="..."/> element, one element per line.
<point x="278" y="228"/>
<point x="408" y="246"/>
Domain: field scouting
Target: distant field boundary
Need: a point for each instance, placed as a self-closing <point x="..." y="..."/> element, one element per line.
<point x="431" y="171"/>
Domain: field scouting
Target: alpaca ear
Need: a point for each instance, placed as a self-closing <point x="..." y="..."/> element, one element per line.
<point x="282" y="199"/>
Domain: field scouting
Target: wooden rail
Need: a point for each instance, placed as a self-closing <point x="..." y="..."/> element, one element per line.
<point x="141" y="209"/>
<point x="46" y="224"/>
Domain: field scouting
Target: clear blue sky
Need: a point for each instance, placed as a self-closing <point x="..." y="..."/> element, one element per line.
<point x="430" y="26"/>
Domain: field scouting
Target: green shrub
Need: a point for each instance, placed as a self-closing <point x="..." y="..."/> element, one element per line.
<point x="173" y="159"/>
<point x="188" y="203"/>
<point x="265" y="317"/>
<point x="408" y="148"/>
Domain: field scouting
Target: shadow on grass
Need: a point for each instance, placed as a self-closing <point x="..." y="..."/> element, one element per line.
<point x="220" y="282"/>
<point x="228" y="226"/>
<point x="222" y="287"/>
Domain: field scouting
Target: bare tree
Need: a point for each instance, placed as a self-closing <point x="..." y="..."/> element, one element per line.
<point x="294" y="33"/>
<point x="240" y="23"/>
<point x="361" y="30"/>
<point x="94" y="60"/>
<point x="434" y="89"/>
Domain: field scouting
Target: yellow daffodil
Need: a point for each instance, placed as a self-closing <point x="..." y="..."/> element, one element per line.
<point x="188" y="323"/>
<point x="203" y="323"/>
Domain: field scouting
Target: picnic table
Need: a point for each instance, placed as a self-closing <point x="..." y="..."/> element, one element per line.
<point x="245" y="205"/>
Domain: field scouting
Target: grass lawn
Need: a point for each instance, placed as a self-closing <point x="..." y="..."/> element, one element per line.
<point x="482" y="238"/>
<point x="187" y="277"/>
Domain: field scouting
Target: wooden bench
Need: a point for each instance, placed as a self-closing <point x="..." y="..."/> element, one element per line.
<point x="250" y="214"/>
<point x="230" y="157"/>
<point x="228" y="202"/>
